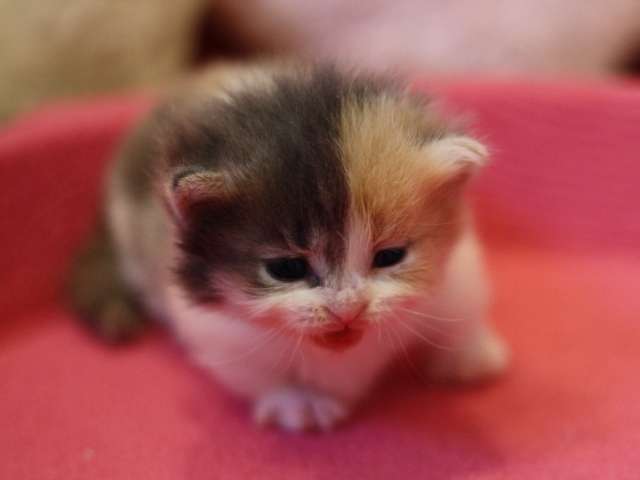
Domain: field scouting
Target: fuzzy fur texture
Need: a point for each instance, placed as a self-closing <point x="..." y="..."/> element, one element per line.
<point x="350" y="178"/>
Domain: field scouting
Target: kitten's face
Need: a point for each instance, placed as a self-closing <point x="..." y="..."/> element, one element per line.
<point x="373" y="283"/>
<point x="322" y="209"/>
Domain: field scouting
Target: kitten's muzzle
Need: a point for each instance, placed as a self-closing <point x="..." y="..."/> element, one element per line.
<point x="345" y="316"/>
<point x="344" y="327"/>
<point x="339" y="340"/>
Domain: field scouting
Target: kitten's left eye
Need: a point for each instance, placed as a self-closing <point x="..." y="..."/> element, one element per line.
<point x="288" y="269"/>
<point x="388" y="257"/>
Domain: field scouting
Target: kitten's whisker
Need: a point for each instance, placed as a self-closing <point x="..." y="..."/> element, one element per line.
<point x="392" y="346"/>
<point x="406" y="360"/>
<point x="454" y="222"/>
<point x="435" y="329"/>
<point x="440" y="330"/>
<point x="455" y="336"/>
<point x="433" y="317"/>
<point x="379" y="328"/>
<point x="270" y="336"/>
<point x="281" y="356"/>
<point x="425" y="324"/>
<point x="293" y="353"/>
<point x="421" y="336"/>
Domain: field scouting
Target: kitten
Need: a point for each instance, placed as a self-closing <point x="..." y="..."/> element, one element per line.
<point x="298" y="229"/>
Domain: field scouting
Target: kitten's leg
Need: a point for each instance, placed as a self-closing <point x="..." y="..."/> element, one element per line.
<point x="323" y="388"/>
<point x="99" y="293"/>
<point x="483" y="356"/>
<point x="480" y="353"/>
<point x="300" y="409"/>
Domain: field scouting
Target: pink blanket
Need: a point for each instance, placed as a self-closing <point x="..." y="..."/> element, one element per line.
<point x="560" y="210"/>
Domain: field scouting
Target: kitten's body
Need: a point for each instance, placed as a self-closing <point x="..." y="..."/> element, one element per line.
<point x="299" y="229"/>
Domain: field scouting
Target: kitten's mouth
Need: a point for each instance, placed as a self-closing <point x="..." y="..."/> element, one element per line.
<point x="338" y="340"/>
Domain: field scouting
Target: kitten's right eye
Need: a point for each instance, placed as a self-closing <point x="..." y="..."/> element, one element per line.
<point x="288" y="269"/>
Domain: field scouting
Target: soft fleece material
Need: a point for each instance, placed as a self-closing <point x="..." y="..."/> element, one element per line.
<point x="560" y="211"/>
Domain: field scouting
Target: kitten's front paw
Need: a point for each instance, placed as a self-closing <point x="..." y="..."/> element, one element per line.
<point x="485" y="358"/>
<point x="295" y="409"/>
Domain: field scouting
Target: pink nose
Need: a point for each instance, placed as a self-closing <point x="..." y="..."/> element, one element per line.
<point x="347" y="314"/>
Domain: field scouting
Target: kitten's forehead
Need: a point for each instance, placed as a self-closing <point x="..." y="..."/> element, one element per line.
<point x="324" y="147"/>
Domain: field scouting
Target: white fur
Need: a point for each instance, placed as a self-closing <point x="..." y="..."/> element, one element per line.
<point x="297" y="385"/>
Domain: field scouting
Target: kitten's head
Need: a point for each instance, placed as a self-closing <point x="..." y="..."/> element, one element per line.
<point x="317" y="203"/>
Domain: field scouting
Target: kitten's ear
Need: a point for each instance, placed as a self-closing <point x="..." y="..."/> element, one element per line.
<point x="189" y="187"/>
<point x="458" y="160"/>
<point x="459" y="157"/>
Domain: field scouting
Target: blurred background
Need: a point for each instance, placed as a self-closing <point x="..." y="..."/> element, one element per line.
<point x="60" y="48"/>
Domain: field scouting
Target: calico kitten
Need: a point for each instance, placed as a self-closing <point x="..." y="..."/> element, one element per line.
<point x="298" y="229"/>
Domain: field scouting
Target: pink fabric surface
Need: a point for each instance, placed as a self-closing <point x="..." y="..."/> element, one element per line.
<point x="560" y="210"/>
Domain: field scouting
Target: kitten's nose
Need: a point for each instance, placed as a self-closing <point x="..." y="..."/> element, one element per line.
<point x="347" y="314"/>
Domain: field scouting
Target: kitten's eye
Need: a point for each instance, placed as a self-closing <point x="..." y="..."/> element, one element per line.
<point x="288" y="269"/>
<point x="388" y="257"/>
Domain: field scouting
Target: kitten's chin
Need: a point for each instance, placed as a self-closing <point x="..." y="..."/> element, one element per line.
<point x="338" y="340"/>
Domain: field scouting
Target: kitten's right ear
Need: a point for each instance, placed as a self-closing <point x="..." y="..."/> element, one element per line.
<point x="189" y="187"/>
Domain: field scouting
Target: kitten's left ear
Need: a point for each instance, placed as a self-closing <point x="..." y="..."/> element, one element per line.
<point x="460" y="157"/>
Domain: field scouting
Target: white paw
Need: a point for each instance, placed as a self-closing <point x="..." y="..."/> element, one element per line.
<point x="297" y="410"/>
<point x="483" y="359"/>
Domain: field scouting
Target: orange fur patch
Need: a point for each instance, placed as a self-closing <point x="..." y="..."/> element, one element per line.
<point x="398" y="185"/>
